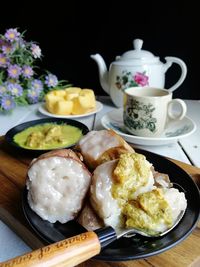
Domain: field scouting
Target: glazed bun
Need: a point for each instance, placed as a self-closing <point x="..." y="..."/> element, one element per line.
<point x="97" y="147"/>
<point x="57" y="184"/>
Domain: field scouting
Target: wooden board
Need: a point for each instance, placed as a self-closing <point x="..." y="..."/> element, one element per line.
<point x="13" y="169"/>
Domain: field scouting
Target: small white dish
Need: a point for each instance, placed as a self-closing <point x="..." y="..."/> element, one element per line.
<point x="43" y="110"/>
<point x="175" y="130"/>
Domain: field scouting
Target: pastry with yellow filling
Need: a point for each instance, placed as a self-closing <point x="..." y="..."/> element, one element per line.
<point x="124" y="194"/>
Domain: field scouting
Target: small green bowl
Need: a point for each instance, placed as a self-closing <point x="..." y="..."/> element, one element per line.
<point x="19" y="128"/>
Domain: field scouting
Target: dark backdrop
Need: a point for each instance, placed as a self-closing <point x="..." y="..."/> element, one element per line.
<point x="68" y="32"/>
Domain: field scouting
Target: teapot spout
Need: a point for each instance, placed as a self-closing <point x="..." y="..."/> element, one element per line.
<point x="103" y="73"/>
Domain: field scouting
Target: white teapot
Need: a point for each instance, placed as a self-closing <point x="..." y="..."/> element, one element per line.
<point x="135" y="68"/>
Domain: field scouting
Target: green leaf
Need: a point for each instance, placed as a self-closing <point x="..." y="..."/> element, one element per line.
<point x="21" y="101"/>
<point x="133" y="83"/>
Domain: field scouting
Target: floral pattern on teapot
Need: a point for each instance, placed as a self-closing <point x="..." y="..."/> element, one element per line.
<point x="127" y="79"/>
<point x="139" y="116"/>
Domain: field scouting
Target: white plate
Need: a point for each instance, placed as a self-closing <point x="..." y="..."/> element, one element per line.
<point x="43" y="110"/>
<point x="175" y="130"/>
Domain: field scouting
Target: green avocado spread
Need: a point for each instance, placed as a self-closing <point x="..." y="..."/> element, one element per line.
<point x="48" y="136"/>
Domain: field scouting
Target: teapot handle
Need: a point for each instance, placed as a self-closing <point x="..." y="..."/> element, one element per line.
<point x="183" y="66"/>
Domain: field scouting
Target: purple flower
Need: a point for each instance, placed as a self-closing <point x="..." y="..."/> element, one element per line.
<point x="51" y="80"/>
<point x="37" y="85"/>
<point x="12" y="35"/>
<point x="14" y="71"/>
<point x="27" y="71"/>
<point x="141" y="78"/>
<point x="18" y="80"/>
<point x="7" y="48"/>
<point x="3" y="90"/>
<point x="32" y="96"/>
<point x="7" y="103"/>
<point x="2" y="42"/>
<point x="3" y="60"/>
<point x="15" y="89"/>
<point x="36" y="51"/>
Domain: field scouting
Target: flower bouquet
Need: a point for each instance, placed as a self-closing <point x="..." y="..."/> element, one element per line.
<point x="19" y="82"/>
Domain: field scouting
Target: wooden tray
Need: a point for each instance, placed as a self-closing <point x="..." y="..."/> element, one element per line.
<point x="13" y="169"/>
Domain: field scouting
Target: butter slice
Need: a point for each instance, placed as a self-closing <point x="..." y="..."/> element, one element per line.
<point x="51" y="99"/>
<point x="84" y="103"/>
<point x="72" y="100"/>
<point x="63" y="107"/>
<point x="72" y="92"/>
<point x="59" y="93"/>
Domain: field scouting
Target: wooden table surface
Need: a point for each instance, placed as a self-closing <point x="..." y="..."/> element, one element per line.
<point x="13" y="168"/>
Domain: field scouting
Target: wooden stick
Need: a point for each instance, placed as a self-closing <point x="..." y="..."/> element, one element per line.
<point x="68" y="252"/>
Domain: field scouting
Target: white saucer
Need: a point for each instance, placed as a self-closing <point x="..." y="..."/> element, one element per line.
<point x="43" y="110"/>
<point x="175" y="130"/>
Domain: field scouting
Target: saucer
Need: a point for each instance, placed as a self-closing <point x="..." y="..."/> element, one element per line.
<point x="44" y="111"/>
<point x="174" y="131"/>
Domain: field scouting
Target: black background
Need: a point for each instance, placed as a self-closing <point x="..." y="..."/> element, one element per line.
<point x="68" y="32"/>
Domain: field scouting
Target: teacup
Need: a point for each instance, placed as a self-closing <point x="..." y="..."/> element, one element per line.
<point x="147" y="110"/>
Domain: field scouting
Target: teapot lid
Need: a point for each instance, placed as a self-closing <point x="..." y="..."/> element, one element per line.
<point x="138" y="53"/>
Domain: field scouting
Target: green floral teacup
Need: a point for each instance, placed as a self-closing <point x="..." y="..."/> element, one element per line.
<point x="147" y="110"/>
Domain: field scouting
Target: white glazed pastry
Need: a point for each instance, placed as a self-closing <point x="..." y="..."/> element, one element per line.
<point x="101" y="196"/>
<point x="100" y="146"/>
<point x="57" y="184"/>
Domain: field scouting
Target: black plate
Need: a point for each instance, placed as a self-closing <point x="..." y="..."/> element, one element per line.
<point x="137" y="247"/>
<point x="12" y="132"/>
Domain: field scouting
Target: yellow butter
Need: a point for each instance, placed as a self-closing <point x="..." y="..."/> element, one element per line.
<point x="63" y="107"/>
<point x="72" y="92"/>
<point x="87" y="98"/>
<point x="51" y="99"/>
<point x="72" y="100"/>
<point x="59" y="93"/>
